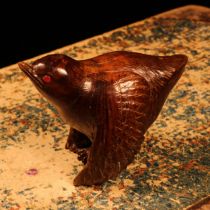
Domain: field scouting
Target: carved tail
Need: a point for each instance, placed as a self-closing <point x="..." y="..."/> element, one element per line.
<point x="173" y="69"/>
<point x="163" y="79"/>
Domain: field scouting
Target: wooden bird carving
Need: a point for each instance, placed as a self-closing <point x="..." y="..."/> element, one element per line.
<point x="109" y="101"/>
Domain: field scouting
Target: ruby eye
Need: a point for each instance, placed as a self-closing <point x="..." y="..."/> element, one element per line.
<point x="46" y="78"/>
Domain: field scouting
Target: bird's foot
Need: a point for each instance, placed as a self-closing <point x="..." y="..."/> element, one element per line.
<point x="79" y="144"/>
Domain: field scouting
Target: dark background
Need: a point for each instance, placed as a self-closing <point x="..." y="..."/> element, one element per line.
<point x="33" y="28"/>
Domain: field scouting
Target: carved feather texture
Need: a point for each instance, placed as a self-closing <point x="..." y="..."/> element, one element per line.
<point x="109" y="102"/>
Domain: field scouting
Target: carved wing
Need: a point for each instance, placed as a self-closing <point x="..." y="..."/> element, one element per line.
<point x="122" y="111"/>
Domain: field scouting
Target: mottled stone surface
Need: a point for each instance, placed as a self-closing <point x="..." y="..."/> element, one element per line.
<point x="171" y="171"/>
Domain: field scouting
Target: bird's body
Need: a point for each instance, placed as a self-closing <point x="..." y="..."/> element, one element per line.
<point x="109" y="102"/>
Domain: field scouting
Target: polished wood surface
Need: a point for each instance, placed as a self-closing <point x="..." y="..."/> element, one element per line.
<point x="109" y="101"/>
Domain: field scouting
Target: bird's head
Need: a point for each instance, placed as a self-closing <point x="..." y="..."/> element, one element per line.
<point x="55" y="76"/>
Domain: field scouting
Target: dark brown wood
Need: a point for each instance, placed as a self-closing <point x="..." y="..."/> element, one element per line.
<point x="109" y="102"/>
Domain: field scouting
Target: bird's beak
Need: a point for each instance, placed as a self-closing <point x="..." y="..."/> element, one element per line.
<point x="28" y="70"/>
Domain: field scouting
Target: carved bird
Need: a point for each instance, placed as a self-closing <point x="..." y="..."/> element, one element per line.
<point x="109" y="101"/>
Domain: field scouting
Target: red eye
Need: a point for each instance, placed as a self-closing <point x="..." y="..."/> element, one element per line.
<point x="46" y="78"/>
